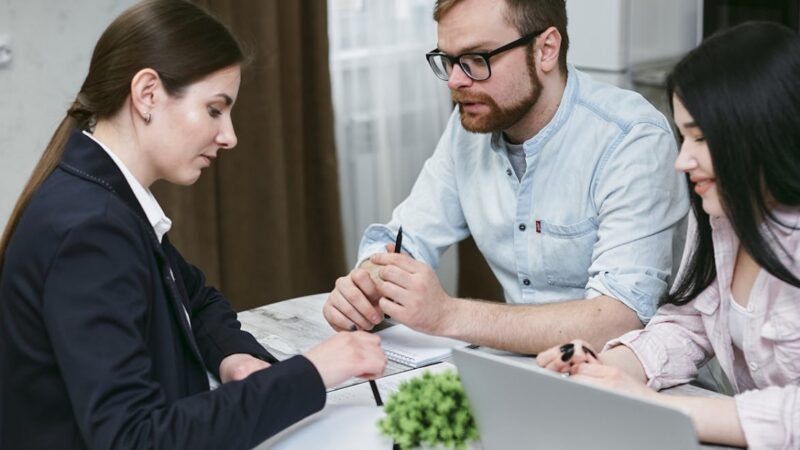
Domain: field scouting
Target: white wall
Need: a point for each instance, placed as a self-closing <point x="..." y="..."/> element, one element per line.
<point x="52" y="42"/>
<point x="616" y="35"/>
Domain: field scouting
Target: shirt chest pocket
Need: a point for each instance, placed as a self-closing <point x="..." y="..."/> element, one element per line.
<point x="784" y="335"/>
<point x="567" y="251"/>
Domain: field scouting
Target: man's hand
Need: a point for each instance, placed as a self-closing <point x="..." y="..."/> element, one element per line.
<point x="374" y="274"/>
<point x="354" y="301"/>
<point x="239" y="366"/>
<point x="411" y="293"/>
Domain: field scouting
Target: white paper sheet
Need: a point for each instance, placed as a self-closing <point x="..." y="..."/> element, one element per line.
<point x="349" y="419"/>
<point x="336" y="427"/>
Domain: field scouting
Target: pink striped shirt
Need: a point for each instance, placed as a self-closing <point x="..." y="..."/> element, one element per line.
<point x="765" y="374"/>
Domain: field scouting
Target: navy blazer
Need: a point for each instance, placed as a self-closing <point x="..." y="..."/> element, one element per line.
<point x="95" y="348"/>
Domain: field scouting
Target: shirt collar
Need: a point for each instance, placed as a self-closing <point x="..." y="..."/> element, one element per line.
<point x="561" y="115"/>
<point x="155" y="215"/>
<point x="784" y="221"/>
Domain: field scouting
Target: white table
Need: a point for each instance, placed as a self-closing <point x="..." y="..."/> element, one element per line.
<point x="294" y="326"/>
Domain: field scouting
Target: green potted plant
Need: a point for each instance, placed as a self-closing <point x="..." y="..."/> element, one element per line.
<point x="430" y="411"/>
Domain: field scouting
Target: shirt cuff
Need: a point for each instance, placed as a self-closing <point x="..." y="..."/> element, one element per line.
<point x="375" y="238"/>
<point x="639" y="290"/>
<point x="650" y="353"/>
<point x="769" y="417"/>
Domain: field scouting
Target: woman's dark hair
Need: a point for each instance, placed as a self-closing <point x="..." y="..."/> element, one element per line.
<point x="177" y="39"/>
<point x="742" y="87"/>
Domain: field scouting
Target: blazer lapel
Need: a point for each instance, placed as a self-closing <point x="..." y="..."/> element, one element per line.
<point x="84" y="158"/>
<point x="179" y="296"/>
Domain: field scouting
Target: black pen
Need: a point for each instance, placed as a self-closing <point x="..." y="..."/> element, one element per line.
<point x="375" y="393"/>
<point x="398" y="244"/>
<point x="399" y="241"/>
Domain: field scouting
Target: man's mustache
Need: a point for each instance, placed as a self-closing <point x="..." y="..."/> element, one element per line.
<point x="461" y="98"/>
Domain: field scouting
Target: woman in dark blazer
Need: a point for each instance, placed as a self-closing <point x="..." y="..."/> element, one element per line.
<point x="108" y="338"/>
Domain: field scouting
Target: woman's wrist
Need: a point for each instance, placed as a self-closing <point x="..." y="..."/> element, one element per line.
<point x="239" y="366"/>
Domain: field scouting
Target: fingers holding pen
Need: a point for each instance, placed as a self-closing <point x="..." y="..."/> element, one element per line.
<point x="395" y="275"/>
<point x="400" y="260"/>
<point x="348" y="299"/>
<point x="366" y="283"/>
<point x="346" y="355"/>
<point x="342" y="314"/>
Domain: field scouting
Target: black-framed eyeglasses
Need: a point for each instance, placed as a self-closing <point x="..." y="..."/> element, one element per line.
<point x="475" y="65"/>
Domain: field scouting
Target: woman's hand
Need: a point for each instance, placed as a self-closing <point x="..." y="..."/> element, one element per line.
<point x="348" y="354"/>
<point x="579" y="360"/>
<point x="612" y="378"/>
<point x="567" y="358"/>
<point x="239" y="366"/>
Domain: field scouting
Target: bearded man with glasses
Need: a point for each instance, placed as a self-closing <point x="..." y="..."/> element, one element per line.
<point x="566" y="185"/>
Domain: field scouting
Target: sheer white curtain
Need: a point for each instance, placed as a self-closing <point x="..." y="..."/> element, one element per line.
<point x="389" y="107"/>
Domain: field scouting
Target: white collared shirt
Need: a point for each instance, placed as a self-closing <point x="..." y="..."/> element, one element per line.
<point x="155" y="215"/>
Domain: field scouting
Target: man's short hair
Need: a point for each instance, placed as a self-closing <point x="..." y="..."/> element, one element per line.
<point x="528" y="16"/>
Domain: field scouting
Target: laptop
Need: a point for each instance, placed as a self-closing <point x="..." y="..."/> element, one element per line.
<point x="518" y="405"/>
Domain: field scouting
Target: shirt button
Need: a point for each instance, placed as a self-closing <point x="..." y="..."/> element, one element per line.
<point x="522" y="227"/>
<point x="508" y="172"/>
<point x="750" y="308"/>
<point x="753" y="366"/>
<point x="526" y="282"/>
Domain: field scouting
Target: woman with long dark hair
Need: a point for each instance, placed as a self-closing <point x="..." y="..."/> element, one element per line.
<point x="108" y="338"/>
<point x="736" y="104"/>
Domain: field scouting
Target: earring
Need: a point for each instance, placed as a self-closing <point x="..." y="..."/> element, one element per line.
<point x="147" y="117"/>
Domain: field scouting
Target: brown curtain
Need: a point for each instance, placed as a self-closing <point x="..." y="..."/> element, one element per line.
<point x="475" y="278"/>
<point x="263" y="222"/>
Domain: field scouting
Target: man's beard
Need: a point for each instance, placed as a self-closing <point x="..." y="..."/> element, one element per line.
<point x="498" y="119"/>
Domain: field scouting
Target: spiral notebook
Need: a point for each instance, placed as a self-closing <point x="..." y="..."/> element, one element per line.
<point x="411" y="348"/>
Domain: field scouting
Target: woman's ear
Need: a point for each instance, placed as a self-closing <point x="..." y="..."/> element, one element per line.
<point x="145" y="93"/>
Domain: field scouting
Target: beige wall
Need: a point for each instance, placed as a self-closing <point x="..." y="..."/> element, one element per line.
<point x="52" y="43"/>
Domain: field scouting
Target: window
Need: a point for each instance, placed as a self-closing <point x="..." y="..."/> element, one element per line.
<point x="390" y="110"/>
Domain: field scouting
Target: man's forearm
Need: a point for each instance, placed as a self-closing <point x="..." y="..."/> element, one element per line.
<point x="533" y="328"/>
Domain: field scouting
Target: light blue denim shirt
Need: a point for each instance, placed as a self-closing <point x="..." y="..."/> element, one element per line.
<point x="595" y="213"/>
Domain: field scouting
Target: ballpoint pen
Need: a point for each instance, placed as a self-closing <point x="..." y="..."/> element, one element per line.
<point x="399" y="241"/>
<point x="375" y="393"/>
